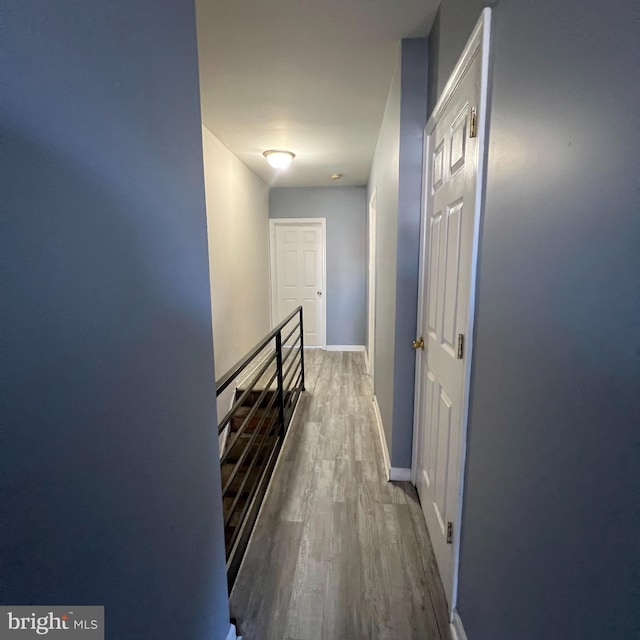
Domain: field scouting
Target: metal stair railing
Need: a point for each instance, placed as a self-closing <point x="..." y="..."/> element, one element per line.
<point x="256" y="426"/>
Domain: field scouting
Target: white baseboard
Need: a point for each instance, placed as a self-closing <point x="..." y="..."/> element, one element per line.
<point x="383" y="440"/>
<point x="345" y="347"/>
<point x="457" y="630"/>
<point x="249" y="373"/>
<point x="222" y="437"/>
<point x="232" y="633"/>
<point x="400" y="474"/>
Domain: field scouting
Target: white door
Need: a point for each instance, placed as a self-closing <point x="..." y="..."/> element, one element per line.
<point x="298" y="274"/>
<point x="450" y="230"/>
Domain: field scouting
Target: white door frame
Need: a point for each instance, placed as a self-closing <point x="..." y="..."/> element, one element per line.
<point x="371" y="339"/>
<point x="291" y="222"/>
<point x="478" y="44"/>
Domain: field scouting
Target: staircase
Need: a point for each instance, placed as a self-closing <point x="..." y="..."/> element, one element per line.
<point x="269" y="381"/>
<point x="250" y="440"/>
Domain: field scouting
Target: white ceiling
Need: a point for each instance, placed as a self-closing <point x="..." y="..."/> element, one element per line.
<point x="311" y="76"/>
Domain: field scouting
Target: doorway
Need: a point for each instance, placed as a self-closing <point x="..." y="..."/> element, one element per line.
<point x="454" y="166"/>
<point x="298" y="274"/>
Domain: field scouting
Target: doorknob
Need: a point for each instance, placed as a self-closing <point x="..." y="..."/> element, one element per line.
<point x="319" y="293"/>
<point x="418" y="344"/>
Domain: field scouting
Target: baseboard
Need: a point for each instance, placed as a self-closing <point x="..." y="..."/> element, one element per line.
<point x="383" y="440"/>
<point x="345" y="347"/>
<point x="366" y="362"/>
<point x="457" y="630"/>
<point x="399" y="474"/>
<point x="232" y="633"/>
<point x="222" y="437"/>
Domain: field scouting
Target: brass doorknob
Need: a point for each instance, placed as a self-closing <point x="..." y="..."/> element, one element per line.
<point x="418" y="344"/>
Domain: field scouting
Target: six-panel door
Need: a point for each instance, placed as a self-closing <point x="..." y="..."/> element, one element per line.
<point x="298" y="262"/>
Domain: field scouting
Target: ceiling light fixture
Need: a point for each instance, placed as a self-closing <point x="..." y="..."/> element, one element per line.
<point x="335" y="175"/>
<point x="279" y="159"/>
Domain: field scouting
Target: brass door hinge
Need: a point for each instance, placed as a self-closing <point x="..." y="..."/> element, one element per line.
<point x="449" y="532"/>
<point x="460" y="351"/>
<point x="473" y="123"/>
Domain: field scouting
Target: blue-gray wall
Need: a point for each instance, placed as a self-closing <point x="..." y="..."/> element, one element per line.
<point x="413" y="118"/>
<point x="345" y="211"/>
<point x="551" y="519"/>
<point x="109" y="464"/>
<point x="383" y="182"/>
<point x="396" y="178"/>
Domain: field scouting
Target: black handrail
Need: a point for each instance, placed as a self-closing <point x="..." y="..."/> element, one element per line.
<point x="245" y="394"/>
<point x="257" y="423"/>
<point x="242" y="364"/>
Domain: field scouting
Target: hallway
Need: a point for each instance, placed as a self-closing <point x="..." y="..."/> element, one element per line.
<point x="337" y="551"/>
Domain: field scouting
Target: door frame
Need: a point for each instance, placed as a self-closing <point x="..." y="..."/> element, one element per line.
<point x="297" y="222"/>
<point x="371" y="330"/>
<point x="477" y="45"/>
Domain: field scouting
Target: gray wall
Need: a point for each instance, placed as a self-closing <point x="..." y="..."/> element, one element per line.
<point x="345" y="211"/>
<point x="238" y="231"/>
<point x="384" y="181"/>
<point x="550" y="524"/>
<point x="396" y="176"/>
<point x="110" y="482"/>
<point x="413" y="118"/>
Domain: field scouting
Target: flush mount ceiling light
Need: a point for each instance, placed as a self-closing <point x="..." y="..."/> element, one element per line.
<point x="278" y="158"/>
<point x="335" y="175"/>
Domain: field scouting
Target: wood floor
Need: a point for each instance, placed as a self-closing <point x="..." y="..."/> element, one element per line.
<point x="338" y="552"/>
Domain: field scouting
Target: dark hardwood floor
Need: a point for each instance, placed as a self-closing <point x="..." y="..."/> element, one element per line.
<point x="338" y="553"/>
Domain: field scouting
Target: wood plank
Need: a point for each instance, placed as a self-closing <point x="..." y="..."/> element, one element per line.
<point x="308" y="593"/>
<point x="428" y="559"/>
<point x="298" y="484"/>
<point x="261" y="596"/>
<point x="338" y="552"/>
<point x="343" y="613"/>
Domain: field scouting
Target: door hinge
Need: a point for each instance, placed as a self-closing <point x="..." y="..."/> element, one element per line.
<point x="460" y="352"/>
<point x="449" y="532"/>
<point x="473" y="123"/>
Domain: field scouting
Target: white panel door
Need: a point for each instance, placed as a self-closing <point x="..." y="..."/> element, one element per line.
<point x="297" y="278"/>
<point x="449" y="247"/>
